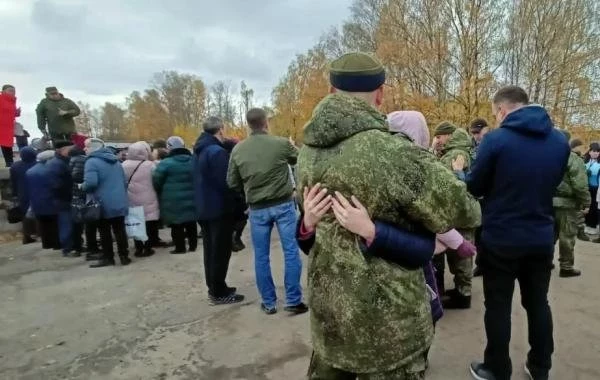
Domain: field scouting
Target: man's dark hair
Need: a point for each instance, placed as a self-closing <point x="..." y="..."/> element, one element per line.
<point x="7" y="86"/>
<point x="575" y="143"/>
<point x="159" y="144"/>
<point x="213" y="125"/>
<point x="511" y="94"/>
<point x="479" y="123"/>
<point x="256" y="118"/>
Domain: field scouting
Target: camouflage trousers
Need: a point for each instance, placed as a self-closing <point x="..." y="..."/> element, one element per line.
<point x="318" y="370"/>
<point x="461" y="268"/>
<point x="565" y="232"/>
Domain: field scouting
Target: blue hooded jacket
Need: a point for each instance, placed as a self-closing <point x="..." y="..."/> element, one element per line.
<point x="213" y="197"/>
<point x="105" y="179"/>
<point x="18" y="176"/>
<point x="39" y="177"/>
<point x="517" y="170"/>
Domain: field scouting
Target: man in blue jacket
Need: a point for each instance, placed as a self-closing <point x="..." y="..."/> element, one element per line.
<point x="20" y="190"/>
<point x="41" y="202"/>
<point x="61" y="187"/>
<point x="517" y="170"/>
<point x="215" y="207"/>
<point x="104" y="179"/>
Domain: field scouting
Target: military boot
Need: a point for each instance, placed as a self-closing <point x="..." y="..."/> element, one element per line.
<point x="456" y="301"/>
<point x="581" y="235"/>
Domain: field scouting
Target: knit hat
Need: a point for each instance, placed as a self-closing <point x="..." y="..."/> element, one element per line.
<point x="175" y="142"/>
<point x="477" y="125"/>
<point x="445" y="128"/>
<point x="51" y="89"/>
<point x="62" y="144"/>
<point x="412" y="124"/>
<point x="356" y="72"/>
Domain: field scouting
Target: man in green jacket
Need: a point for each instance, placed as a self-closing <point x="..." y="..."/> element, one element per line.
<point x="259" y="166"/>
<point x="572" y="197"/>
<point x="57" y="112"/>
<point x="454" y="146"/>
<point x="371" y="318"/>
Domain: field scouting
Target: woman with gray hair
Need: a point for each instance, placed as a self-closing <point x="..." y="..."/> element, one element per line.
<point x="104" y="178"/>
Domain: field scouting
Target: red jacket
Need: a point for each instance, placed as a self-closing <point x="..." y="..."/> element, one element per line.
<point x="8" y="113"/>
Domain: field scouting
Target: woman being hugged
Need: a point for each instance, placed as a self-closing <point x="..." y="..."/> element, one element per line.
<point x="138" y="171"/>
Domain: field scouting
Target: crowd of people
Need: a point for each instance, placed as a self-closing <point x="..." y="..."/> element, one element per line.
<point x="383" y="209"/>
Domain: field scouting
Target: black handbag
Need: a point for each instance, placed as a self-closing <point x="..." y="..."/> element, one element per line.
<point x="86" y="212"/>
<point x="14" y="215"/>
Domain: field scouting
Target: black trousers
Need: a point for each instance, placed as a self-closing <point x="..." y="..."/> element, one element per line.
<point x="48" y="229"/>
<point x="29" y="228"/>
<point x="152" y="232"/>
<point x="179" y="233"/>
<point x="117" y="225"/>
<point x="78" y="236"/>
<point x="591" y="218"/>
<point x="7" y="153"/>
<point x="216" y="241"/>
<point x="91" y="237"/>
<point x="500" y="270"/>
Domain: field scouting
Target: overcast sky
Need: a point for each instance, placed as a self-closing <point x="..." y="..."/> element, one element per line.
<point x="97" y="51"/>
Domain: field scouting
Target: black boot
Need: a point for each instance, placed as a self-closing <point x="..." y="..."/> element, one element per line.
<point x="237" y="244"/>
<point x="103" y="263"/>
<point x="139" y="252"/>
<point x="569" y="273"/>
<point x="456" y="301"/>
<point x="125" y="260"/>
<point x="28" y="240"/>
<point x="93" y="256"/>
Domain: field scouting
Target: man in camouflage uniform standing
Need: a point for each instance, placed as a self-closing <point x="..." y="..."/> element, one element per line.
<point x="572" y="196"/>
<point x="370" y="319"/>
<point x="454" y="146"/>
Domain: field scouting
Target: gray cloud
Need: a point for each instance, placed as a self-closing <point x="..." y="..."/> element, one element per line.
<point x="104" y="49"/>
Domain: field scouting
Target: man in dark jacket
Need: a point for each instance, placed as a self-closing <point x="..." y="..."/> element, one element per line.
<point x="20" y="189"/>
<point x="214" y="204"/>
<point x="41" y="202"/>
<point x="62" y="194"/>
<point x="259" y="167"/>
<point x="517" y="237"/>
<point x="104" y="180"/>
<point x="57" y="112"/>
<point x="240" y="217"/>
<point x="77" y="166"/>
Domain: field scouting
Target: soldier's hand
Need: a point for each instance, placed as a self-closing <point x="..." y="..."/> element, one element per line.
<point x="458" y="164"/>
<point x="353" y="217"/>
<point x="62" y="112"/>
<point x="586" y="211"/>
<point x="316" y="204"/>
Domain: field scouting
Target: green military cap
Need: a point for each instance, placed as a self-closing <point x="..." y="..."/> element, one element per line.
<point x="445" y="128"/>
<point x="51" y="89"/>
<point x="356" y="72"/>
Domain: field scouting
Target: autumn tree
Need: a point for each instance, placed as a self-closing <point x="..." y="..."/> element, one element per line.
<point x="112" y="122"/>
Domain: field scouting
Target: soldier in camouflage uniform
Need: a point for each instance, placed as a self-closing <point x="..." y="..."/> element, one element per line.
<point x="370" y="318"/>
<point x="572" y="196"/>
<point x="578" y="148"/>
<point x="455" y="143"/>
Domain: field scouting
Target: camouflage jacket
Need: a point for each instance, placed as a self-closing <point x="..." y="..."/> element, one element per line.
<point x="368" y="314"/>
<point x="573" y="191"/>
<point x="459" y="144"/>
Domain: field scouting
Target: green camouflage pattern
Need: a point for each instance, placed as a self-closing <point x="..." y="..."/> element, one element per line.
<point x="367" y="314"/>
<point x="573" y="191"/>
<point x="319" y="370"/>
<point x="460" y="143"/>
<point x="566" y="225"/>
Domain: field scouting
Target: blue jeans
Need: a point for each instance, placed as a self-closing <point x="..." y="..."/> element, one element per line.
<point x="261" y="225"/>
<point x="65" y="230"/>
